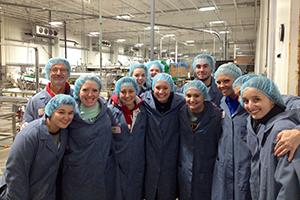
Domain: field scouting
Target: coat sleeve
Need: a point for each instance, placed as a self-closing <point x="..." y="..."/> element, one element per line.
<point x="17" y="174"/>
<point x="28" y="114"/>
<point x="287" y="174"/>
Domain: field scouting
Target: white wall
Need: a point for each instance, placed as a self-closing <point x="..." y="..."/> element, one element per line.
<point x="280" y="58"/>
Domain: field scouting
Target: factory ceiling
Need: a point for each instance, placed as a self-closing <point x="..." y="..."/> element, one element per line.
<point x="230" y="22"/>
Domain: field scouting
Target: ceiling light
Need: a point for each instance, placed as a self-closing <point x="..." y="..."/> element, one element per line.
<point x="223" y="32"/>
<point x="149" y="28"/>
<point x="93" y="34"/>
<point x="120" y="40"/>
<point x="124" y="16"/>
<point x="210" y="8"/>
<point x="139" y="45"/>
<point x="168" y="35"/>
<point x="190" y="41"/>
<point x="56" y="23"/>
<point x="216" y="22"/>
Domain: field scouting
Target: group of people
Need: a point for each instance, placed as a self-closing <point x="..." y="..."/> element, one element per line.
<point x="222" y="136"/>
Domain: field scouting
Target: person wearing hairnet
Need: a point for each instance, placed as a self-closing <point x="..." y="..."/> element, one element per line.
<point x="36" y="152"/>
<point x="140" y="73"/>
<point x="231" y="173"/>
<point x="162" y="138"/>
<point x="271" y="177"/>
<point x="129" y="137"/>
<point x="154" y="67"/>
<point x="287" y="140"/>
<point x="203" y="67"/>
<point x="57" y="72"/>
<point x="89" y="166"/>
<point x="200" y="130"/>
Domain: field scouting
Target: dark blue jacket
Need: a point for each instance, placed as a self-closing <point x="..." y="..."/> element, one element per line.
<point x="197" y="154"/>
<point x="162" y="143"/>
<point x="89" y="167"/>
<point x="273" y="177"/>
<point x="232" y="168"/>
<point x="130" y="152"/>
<point x="214" y="94"/>
<point x="33" y="163"/>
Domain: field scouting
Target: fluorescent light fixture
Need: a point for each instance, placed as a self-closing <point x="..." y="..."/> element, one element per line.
<point x="190" y="41"/>
<point x="172" y="53"/>
<point x="168" y="35"/>
<point x="216" y="22"/>
<point x="139" y="45"/>
<point x="186" y="56"/>
<point x="223" y="32"/>
<point x="93" y="34"/>
<point x="124" y="16"/>
<point x="55" y="23"/>
<point x="120" y="40"/>
<point x="209" y="8"/>
<point x="149" y="28"/>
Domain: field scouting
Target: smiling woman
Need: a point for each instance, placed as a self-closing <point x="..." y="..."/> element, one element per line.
<point x="35" y="155"/>
<point x="90" y="157"/>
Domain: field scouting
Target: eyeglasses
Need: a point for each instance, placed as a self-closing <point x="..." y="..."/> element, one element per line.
<point x="56" y="69"/>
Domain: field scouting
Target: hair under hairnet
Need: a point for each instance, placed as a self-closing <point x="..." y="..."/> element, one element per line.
<point x="242" y="79"/>
<point x="126" y="81"/>
<point x="138" y="65"/>
<point x="55" y="61"/>
<point x="197" y="84"/>
<point x="207" y="59"/>
<point x="265" y="86"/>
<point x="155" y="63"/>
<point x="163" y="77"/>
<point x="81" y="80"/>
<point x="57" y="101"/>
<point x="228" y="69"/>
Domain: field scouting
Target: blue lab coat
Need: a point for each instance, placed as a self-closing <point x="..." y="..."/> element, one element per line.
<point x="197" y="154"/>
<point x="162" y="145"/>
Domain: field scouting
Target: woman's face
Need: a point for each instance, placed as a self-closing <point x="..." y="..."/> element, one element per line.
<point x="127" y="95"/>
<point x="62" y="117"/>
<point x="194" y="100"/>
<point x="256" y="103"/>
<point x="162" y="91"/>
<point x="89" y="93"/>
<point x="140" y="76"/>
<point x="154" y="70"/>
<point x="224" y="84"/>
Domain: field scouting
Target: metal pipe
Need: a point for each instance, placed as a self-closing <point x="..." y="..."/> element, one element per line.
<point x="65" y="38"/>
<point x="100" y="35"/>
<point x="152" y="22"/>
<point x="37" y="85"/>
<point x="49" y="38"/>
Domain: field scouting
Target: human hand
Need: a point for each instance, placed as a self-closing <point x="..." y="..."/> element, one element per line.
<point x="287" y="142"/>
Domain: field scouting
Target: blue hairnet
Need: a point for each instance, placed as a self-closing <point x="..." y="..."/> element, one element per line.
<point x="156" y="63"/>
<point x="137" y="65"/>
<point x="55" y="61"/>
<point x="163" y="77"/>
<point x="197" y="84"/>
<point x="57" y="101"/>
<point x="126" y="81"/>
<point x="208" y="59"/>
<point x="266" y="86"/>
<point x="228" y="69"/>
<point x="242" y="79"/>
<point x="81" y="80"/>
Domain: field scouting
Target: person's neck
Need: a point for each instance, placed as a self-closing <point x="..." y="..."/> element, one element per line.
<point x="52" y="128"/>
<point x="207" y="82"/>
<point x="130" y="106"/>
<point x="232" y="96"/>
<point x="57" y="89"/>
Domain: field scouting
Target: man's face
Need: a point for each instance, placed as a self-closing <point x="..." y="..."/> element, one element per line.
<point x="202" y="70"/>
<point x="58" y="75"/>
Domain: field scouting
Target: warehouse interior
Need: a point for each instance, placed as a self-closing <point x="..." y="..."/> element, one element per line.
<point x="106" y="36"/>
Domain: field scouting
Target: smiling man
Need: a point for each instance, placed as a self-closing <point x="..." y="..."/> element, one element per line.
<point x="203" y="67"/>
<point x="58" y="72"/>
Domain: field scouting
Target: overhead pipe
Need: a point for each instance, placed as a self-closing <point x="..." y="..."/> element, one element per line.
<point x="152" y="32"/>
